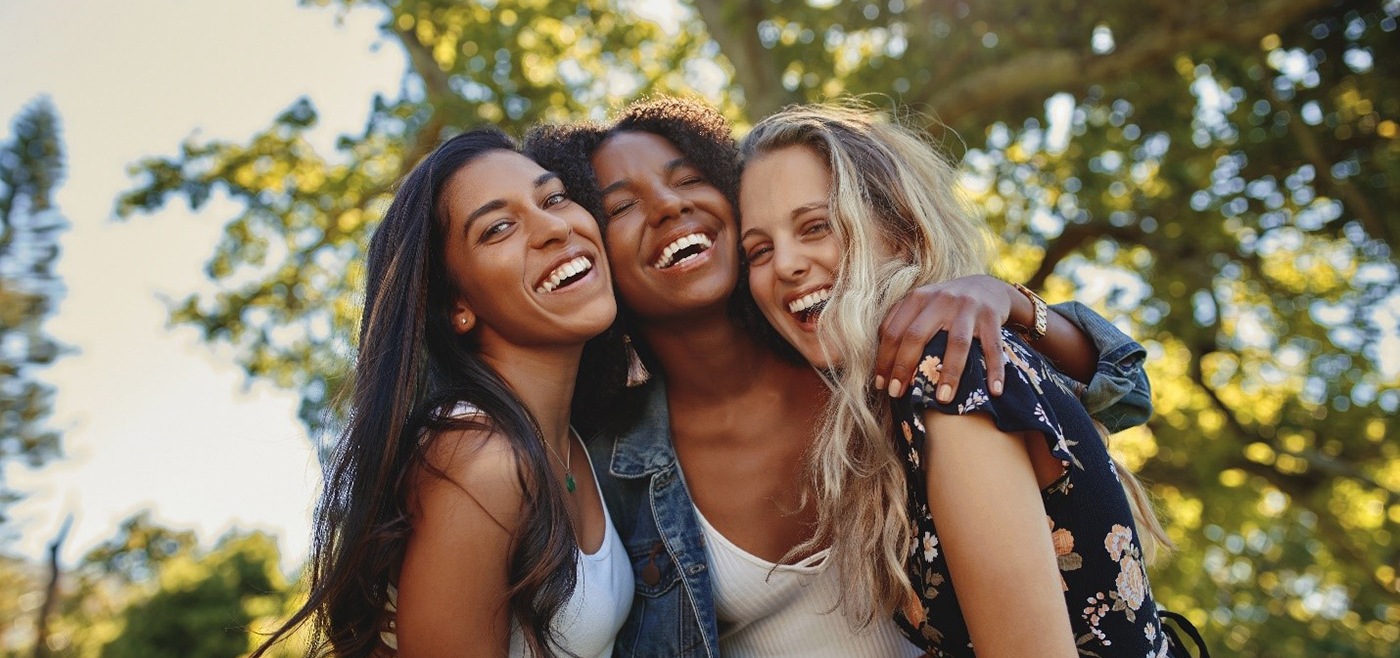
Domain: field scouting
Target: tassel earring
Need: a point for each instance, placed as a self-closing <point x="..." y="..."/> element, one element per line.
<point x="636" y="370"/>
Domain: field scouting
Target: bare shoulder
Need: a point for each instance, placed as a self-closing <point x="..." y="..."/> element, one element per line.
<point x="469" y="471"/>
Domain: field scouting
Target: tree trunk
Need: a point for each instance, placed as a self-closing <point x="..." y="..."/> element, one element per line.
<point x="41" y="629"/>
<point x="734" y="26"/>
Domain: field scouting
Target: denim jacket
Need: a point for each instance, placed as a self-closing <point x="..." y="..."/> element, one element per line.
<point x="673" y="612"/>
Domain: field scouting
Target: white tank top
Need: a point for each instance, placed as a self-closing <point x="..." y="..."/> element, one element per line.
<point x="789" y="610"/>
<point x="589" y="621"/>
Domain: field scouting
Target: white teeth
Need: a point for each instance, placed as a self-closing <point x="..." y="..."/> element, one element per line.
<point x="569" y="269"/>
<point x="809" y="300"/>
<point x="681" y="243"/>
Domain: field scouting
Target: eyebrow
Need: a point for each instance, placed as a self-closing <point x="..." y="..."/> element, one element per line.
<point x="815" y="205"/>
<point x="497" y="204"/>
<point x="796" y="212"/>
<point x="668" y="168"/>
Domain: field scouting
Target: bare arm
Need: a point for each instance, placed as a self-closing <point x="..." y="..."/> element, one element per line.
<point x="984" y="491"/>
<point x="452" y="586"/>
<point x="971" y="307"/>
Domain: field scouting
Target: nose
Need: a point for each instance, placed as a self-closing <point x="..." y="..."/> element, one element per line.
<point x="666" y="205"/>
<point x="789" y="263"/>
<point x="547" y="228"/>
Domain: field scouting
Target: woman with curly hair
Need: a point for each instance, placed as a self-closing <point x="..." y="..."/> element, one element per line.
<point x="460" y="514"/>
<point x="1024" y="537"/>
<point x="707" y="480"/>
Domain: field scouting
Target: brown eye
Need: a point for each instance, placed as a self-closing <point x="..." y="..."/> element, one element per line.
<point x="758" y="253"/>
<point x="620" y="208"/>
<point x="495" y="229"/>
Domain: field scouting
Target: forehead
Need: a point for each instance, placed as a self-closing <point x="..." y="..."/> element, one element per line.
<point x="491" y="176"/>
<point x="629" y="152"/>
<point x="781" y="181"/>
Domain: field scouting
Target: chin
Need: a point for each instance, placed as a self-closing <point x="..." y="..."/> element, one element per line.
<point x="814" y="357"/>
<point x="805" y="343"/>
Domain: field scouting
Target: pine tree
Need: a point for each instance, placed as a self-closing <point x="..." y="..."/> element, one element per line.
<point x="31" y="168"/>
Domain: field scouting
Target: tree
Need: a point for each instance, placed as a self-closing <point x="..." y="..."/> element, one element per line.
<point x="152" y="591"/>
<point x="1214" y="175"/>
<point x="205" y="605"/>
<point x="31" y="167"/>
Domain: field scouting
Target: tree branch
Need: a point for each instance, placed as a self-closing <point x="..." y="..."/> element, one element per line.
<point x="1071" y="240"/>
<point x="1039" y="73"/>
<point x="1350" y="195"/>
<point x="1323" y="465"/>
<point x="41" y="629"/>
<point x="734" y="26"/>
<point x="435" y="85"/>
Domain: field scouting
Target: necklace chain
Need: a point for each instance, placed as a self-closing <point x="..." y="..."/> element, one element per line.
<point x="569" y="482"/>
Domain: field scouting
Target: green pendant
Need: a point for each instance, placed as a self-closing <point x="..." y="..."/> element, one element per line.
<point x="569" y="482"/>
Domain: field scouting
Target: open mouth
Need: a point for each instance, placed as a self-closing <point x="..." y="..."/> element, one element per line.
<point x="809" y="307"/>
<point x="683" y="249"/>
<point x="566" y="275"/>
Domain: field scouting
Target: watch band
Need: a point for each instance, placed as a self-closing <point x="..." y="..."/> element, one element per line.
<point x="1042" y="315"/>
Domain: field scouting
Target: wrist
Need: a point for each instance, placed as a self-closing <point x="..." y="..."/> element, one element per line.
<point x="1022" y="309"/>
<point x="1037" y="320"/>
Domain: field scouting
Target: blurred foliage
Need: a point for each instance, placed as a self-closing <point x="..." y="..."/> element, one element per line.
<point x="1215" y="175"/>
<point x="150" y="591"/>
<point x="31" y="167"/>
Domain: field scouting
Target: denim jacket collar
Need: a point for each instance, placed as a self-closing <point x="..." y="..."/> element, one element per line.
<point x="646" y="448"/>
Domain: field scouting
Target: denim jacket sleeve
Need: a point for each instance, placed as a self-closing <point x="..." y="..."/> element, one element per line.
<point x="1119" y="395"/>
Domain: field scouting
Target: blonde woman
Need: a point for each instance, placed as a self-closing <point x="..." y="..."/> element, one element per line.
<point x="1023" y="537"/>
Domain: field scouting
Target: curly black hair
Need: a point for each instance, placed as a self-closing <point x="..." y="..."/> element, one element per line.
<point x="706" y="140"/>
<point x="697" y="130"/>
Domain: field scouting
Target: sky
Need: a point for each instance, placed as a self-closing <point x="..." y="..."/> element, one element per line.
<point x="153" y="418"/>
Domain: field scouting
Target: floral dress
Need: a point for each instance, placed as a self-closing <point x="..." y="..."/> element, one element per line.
<point x="1102" y="572"/>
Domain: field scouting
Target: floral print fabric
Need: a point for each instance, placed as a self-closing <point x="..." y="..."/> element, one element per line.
<point x="1091" y="524"/>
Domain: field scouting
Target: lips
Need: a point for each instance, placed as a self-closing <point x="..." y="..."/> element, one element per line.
<point x="807" y="306"/>
<point x="565" y="274"/>
<point x="682" y="249"/>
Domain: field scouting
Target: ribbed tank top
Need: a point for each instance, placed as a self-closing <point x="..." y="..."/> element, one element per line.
<point x="789" y="610"/>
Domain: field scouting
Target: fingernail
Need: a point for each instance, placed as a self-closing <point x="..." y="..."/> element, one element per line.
<point x="879" y="382"/>
<point x="945" y="393"/>
<point x="896" y="388"/>
<point x="996" y="387"/>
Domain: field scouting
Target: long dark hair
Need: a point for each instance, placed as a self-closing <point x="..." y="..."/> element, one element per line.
<point x="412" y="367"/>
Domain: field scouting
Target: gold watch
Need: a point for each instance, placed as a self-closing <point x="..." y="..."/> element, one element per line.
<point x="1042" y="315"/>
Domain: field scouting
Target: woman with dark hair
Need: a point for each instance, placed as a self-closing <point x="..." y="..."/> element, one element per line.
<point x="709" y="488"/>
<point x="460" y="514"/>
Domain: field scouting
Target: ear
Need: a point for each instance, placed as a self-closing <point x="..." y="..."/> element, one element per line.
<point x="463" y="319"/>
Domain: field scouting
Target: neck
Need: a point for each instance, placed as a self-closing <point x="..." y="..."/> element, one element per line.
<point x="543" y="379"/>
<point x="710" y="357"/>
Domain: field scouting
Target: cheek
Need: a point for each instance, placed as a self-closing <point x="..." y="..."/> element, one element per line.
<point x="722" y="209"/>
<point x="624" y="266"/>
<point x="829" y="255"/>
<point x="764" y="294"/>
<point x="620" y="241"/>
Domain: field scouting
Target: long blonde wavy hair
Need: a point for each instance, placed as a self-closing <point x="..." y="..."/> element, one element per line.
<point x="897" y="210"/>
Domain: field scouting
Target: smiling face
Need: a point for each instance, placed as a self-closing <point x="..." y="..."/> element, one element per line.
<point x="670" y="233"/>
<point x="526" y="262"/>
<point x="788" y="241"/>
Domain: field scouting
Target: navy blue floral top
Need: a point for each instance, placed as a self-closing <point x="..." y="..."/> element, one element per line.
<point x="1101" y="567"/>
